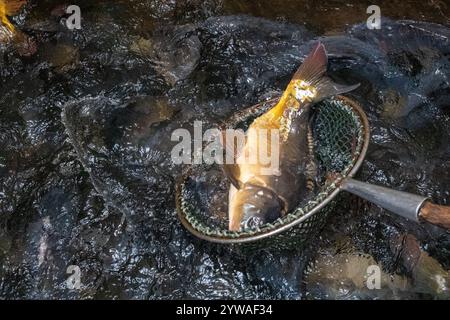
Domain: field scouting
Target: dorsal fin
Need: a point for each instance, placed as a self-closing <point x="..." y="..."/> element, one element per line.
<point x="312" y="72"/>
<point x="314" y="66"/>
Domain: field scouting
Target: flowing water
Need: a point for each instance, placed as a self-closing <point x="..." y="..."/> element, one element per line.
<point x="85" y="127"/>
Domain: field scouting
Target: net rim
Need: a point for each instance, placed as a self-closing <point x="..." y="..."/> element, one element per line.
<point x="227" y="237"/>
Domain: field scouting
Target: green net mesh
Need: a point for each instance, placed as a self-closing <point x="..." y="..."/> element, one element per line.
<point x="338" y="137"/>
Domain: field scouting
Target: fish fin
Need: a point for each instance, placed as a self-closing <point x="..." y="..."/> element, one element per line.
<point x="312" y="71"/>
<point x="231" y="170"/>
<point x="10" y="8"/>
<point x="234" y="222"/>
<point x="327" y="88"/>
<point x="314" y="66"/>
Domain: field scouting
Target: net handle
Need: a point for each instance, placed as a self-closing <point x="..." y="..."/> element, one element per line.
<point x="408" y="205"/>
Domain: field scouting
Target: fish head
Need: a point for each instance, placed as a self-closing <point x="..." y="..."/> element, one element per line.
<point x="253" y="206"/>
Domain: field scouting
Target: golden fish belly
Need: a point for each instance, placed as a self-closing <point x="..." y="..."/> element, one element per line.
<point x="258" y="157"/>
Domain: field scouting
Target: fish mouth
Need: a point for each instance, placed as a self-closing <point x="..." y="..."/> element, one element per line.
<point x="254" y="206"/>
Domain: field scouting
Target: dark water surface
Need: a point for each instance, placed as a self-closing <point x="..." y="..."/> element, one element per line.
<point x="95" y="187"/>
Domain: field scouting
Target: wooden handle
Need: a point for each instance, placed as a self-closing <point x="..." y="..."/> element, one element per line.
<point x="435" y="214"/>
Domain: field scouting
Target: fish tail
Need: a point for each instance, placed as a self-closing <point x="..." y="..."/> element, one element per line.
<point x="311" y="75"/>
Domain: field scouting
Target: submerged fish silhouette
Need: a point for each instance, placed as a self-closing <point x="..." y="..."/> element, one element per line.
<point x="256" y="198"/>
